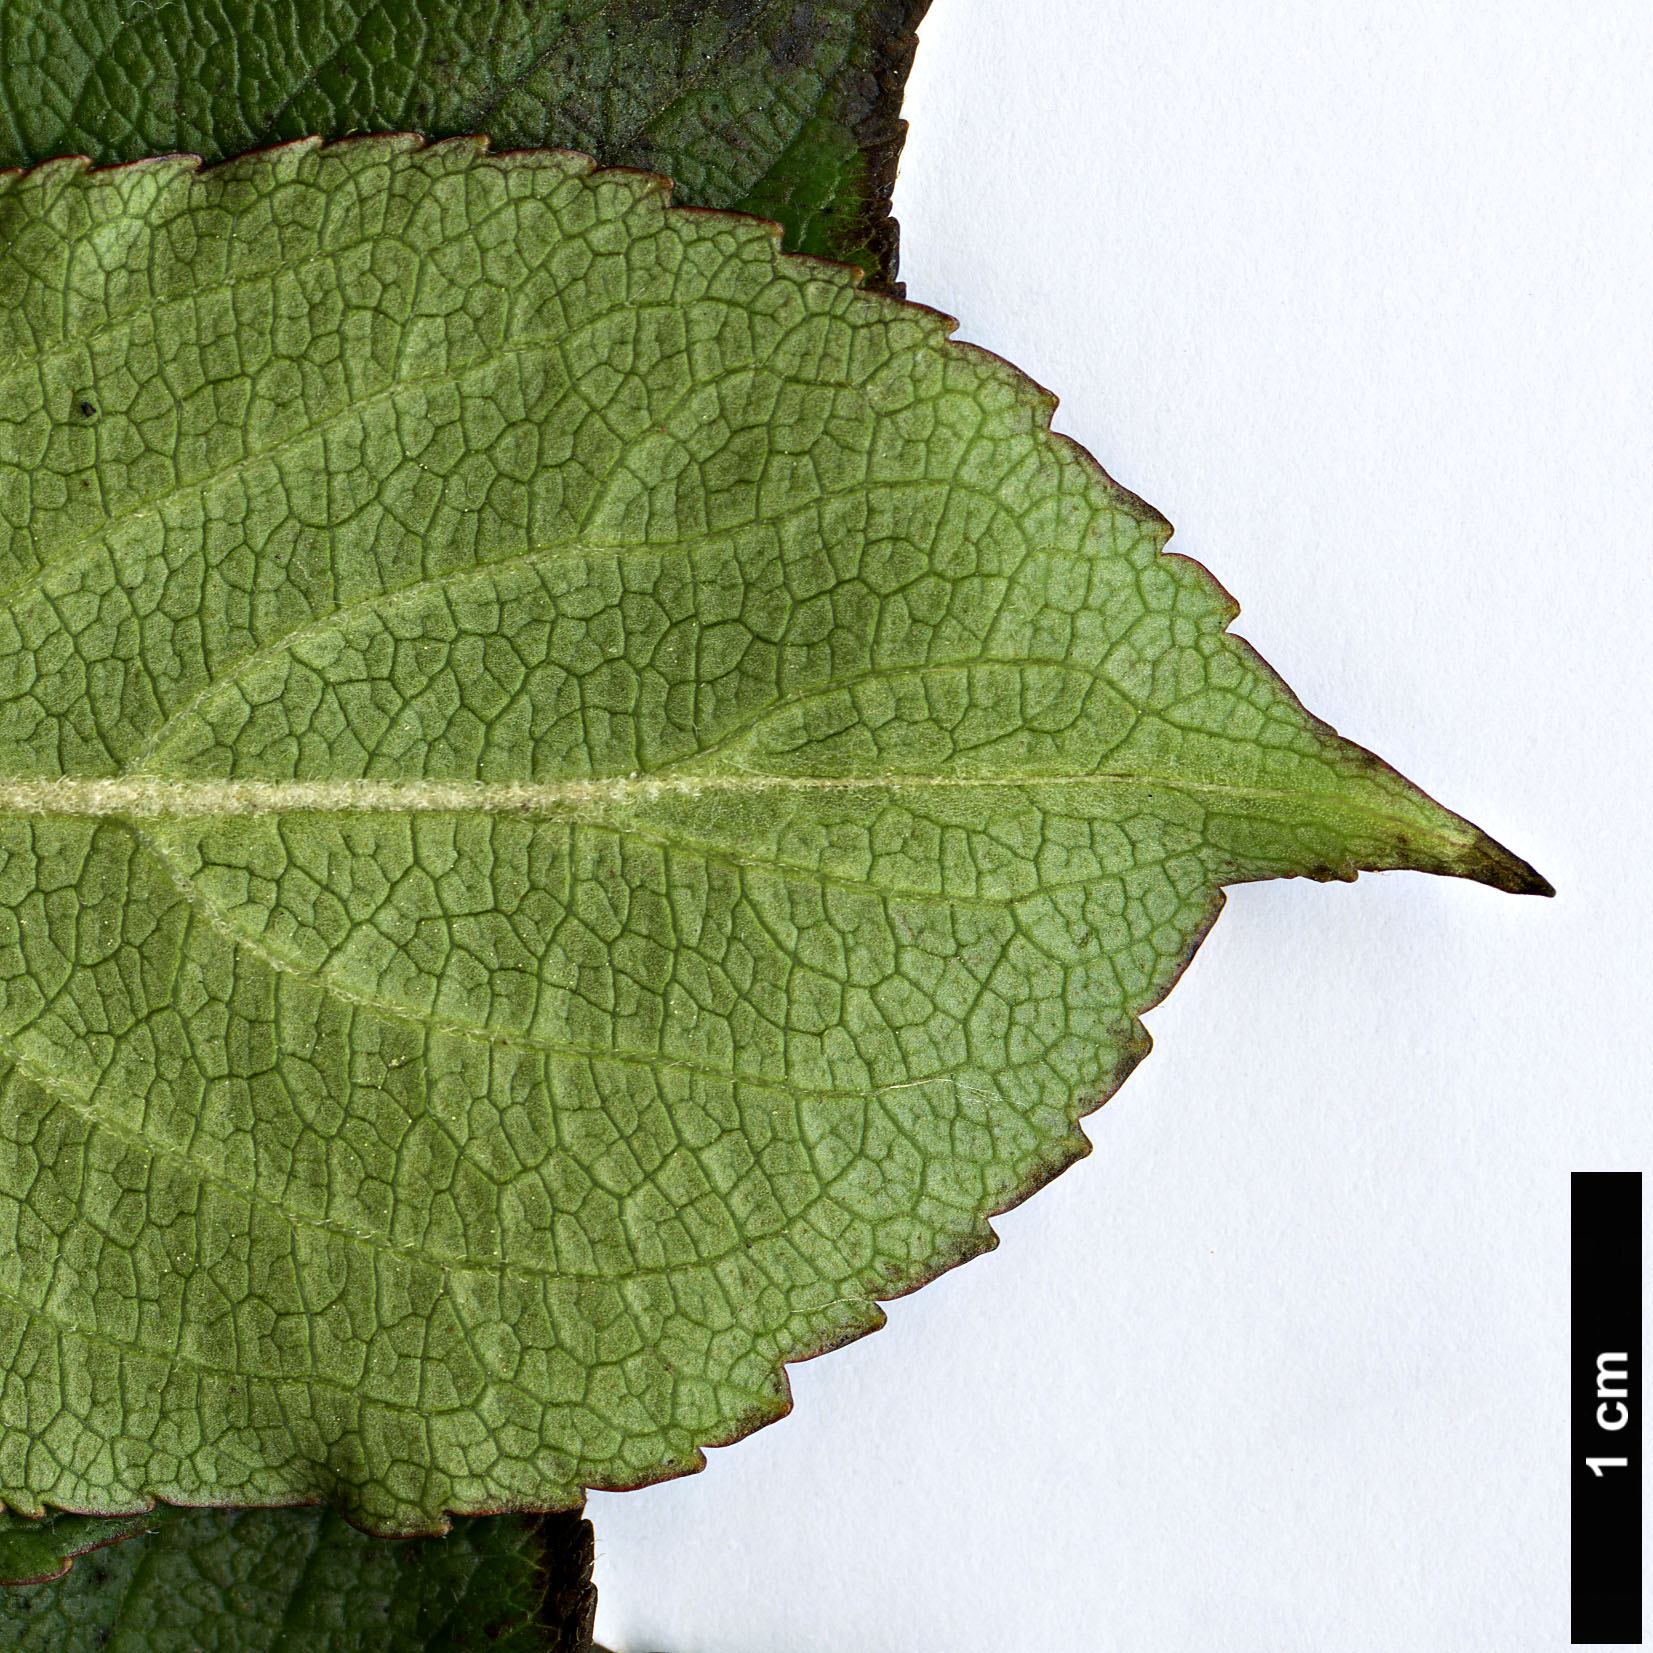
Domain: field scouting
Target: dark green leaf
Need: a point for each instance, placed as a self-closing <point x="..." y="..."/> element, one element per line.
<point x="788" y="108"/>
<point x="303" y="1581"/>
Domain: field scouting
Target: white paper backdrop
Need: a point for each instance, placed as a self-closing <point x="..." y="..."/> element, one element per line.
<point x="1359" y="295"/>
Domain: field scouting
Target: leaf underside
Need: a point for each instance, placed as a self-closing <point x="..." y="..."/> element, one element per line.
<point x="785" y="108"/>
<point x="304" y="1581"/>
<point x="580" y="801"/>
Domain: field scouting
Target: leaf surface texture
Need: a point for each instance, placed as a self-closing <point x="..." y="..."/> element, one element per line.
<point x="580" y="800"/>
<point x="785" y="109"/>
<point x="304" y="1581"/>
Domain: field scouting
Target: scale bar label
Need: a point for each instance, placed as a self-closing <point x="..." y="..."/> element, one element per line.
<point x="1607" y="1407"/>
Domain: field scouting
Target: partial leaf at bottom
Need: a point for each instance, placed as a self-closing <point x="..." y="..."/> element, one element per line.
<point x="303" y="1581"/>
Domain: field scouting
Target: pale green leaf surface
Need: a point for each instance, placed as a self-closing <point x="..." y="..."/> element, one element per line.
<point x="788" y="108"/>
<point x="579" y="801"/>
<point x="304" y="1581"/>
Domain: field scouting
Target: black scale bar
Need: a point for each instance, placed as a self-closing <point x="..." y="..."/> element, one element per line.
<point x="1607" y="1407"/>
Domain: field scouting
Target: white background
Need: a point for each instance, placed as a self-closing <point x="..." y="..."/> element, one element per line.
<point x="1359" y="295"/>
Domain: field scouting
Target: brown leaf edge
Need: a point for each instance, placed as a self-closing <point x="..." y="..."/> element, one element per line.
<point x="871" y="107"/>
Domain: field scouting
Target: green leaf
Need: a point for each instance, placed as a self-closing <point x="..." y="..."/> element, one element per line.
<point x="786" y="109"/>
<point x="580" y="801"/>
<point x="43" y="1547"/>
<point x="304" y="1581"/>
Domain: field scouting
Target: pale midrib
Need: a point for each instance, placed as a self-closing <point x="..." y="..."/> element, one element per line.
<point x="150" y="797"/>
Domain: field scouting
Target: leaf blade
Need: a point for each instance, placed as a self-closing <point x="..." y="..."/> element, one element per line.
<point x="242" y="1582"/>
<point x="585" y="801"/>
<point x="788" y="111"/>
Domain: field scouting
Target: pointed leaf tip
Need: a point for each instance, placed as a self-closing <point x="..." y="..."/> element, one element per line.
<point x="1488" y="862"/>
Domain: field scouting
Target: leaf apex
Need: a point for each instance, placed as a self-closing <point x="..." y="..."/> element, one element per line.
<point x="1486" y="861"/>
